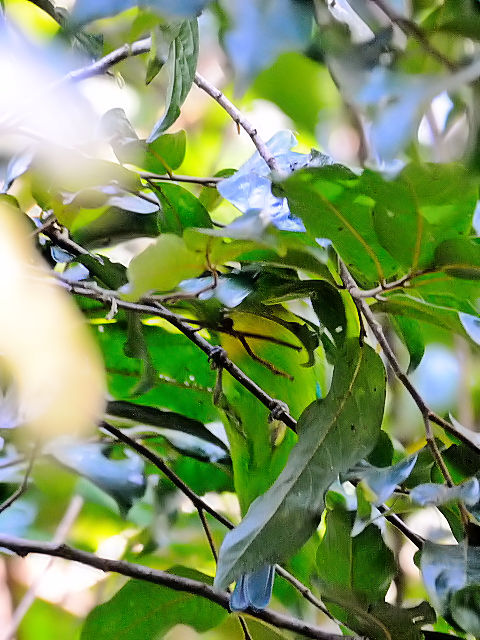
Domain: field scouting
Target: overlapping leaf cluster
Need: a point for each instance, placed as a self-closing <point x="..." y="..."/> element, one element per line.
<point x="254" y="261"/>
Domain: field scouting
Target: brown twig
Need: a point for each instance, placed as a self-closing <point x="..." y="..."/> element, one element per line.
<point x="23" y="547"/>
<point x="23" y="486"/>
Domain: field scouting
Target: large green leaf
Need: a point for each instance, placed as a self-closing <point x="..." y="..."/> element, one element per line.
<point x="425" y="205"/>
<point x="331" y="204"/>
<point x="181" y="66"/>
<point x="362" y="565"/>
<point x="333" y="435"/>
<point x="149" y="611"/>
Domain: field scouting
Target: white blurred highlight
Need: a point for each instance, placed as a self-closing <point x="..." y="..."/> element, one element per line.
<point x="45" y="346"/>
<point x="35" y="102"/>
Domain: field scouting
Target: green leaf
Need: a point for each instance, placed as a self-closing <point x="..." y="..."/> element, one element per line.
<point x="149" y="611"/>
<point x="465" y="608"/>
<point x="142" y="414"/>
<point x="331" y="204"/>
<point x="410" y="333"/>
<point x="123" y="479"/>
<point x="184" y="381"/>
<point x="136" y="347"/>
<point x="180" y="209"/>
<point x="162" y="155"/>
<point x="425" y="205"/>
<point x="162" y="265"/>
<point x="362" y="565"/>
<point x="181" y="66"/>
<point x="115" y="225"/>
<point x="459" y="257"/>
<point x="333" y="434"/>
<point x="382" y="621"/>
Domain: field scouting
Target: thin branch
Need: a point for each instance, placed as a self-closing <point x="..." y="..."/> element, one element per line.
<point x="238" y="117"/>
<point x="209" y="181"/>
<point x="305" y="591"/>
<point x="143" y="46"/>
<point x="214" y="353"/>
<point x="208" y="533"/>
<point x="377" y="330"/>
<point x="158" y="462"/>
<point x="61" y="533"/>
<point x="203" y="507"/>
<point x="411" y="29"/>
<point x="426" y="412"/>
<point x="23" y="486"/>
<point x="23" y="547"/>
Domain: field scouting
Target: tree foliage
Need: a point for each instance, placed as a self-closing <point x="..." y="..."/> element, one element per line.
<point x="215" y="333"/>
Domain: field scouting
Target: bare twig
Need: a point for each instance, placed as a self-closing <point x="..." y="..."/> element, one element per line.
<point x="143" y="46"/>
<point x="23" y="547"/>
<point x="23" y="486"/>
<point x="215" y="354"/>
<point x="426" y="412"/>
<point x="206" y="182"/>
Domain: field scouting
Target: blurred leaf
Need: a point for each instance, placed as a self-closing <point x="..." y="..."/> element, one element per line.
<point x="362" y="565"/>
<point x="180" y="209"/>
<point x="259" y="32"/>
<point x="162" y="155"/>
<point x="471" y="324"/>
<point x="209" y="196"/>
<point x="123" y="479"/>
<point x="439" y="494"/>
<point x="446" y="569"/>
<point x="342" y="429"/>
<point x="16" y="520"/>
<point x="149" y="611"/>
<point x="181" y="66"/>
<point x="306" y="78"/>
<point x="16" y="167"/>
<point x="88" y="10"/>
<point x="162" y="265"/>
<point x="60" y="378"/>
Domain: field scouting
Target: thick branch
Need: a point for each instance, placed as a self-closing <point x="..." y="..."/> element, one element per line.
<point x="23" y="547"/>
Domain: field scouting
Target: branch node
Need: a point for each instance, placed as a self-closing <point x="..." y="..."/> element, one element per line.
<point x="218" y="357"/>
